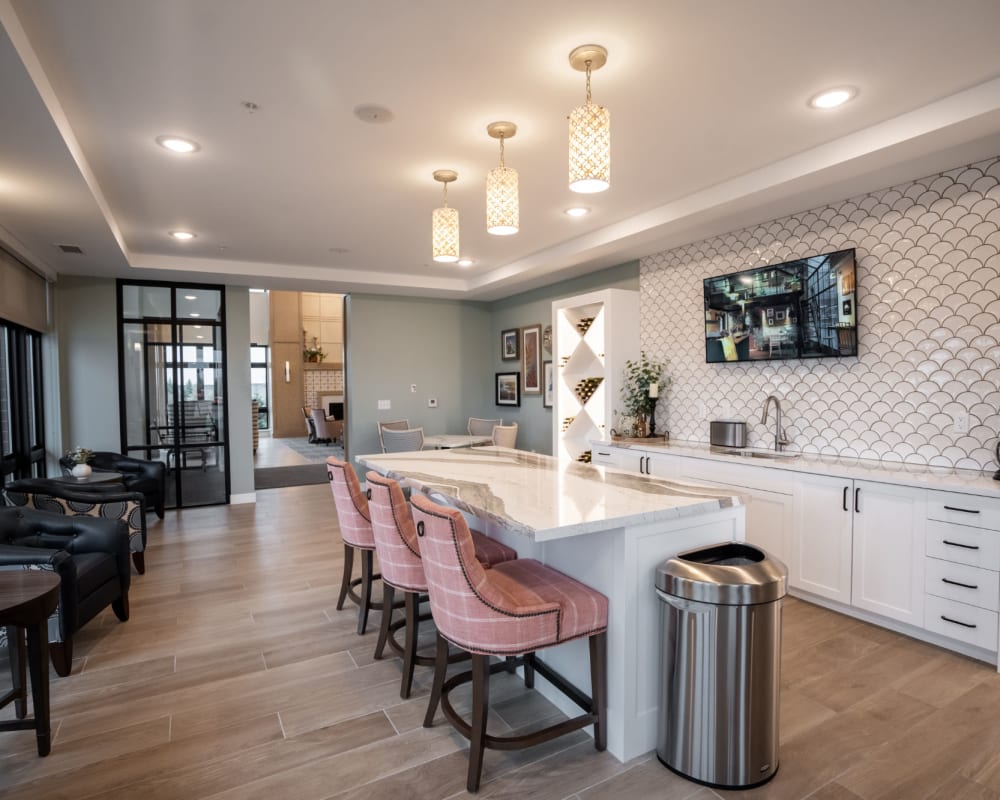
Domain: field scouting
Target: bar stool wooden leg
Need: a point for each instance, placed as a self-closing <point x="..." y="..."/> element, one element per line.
<point x="480" y="714"/>
<point x="38" y="666"/>
<point x="440" y="672"/>
<point x="345" y="582"/>
<point x="388" y="598"/>
<point x="410" y="646"/>
<point x="367" y="568"/>
<point x="599" y="688"/>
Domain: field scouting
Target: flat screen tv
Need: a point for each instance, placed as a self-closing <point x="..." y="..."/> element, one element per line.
<point x="799" y="309"/>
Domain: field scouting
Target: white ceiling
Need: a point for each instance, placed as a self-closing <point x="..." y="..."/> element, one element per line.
<point x="710" y="128"/>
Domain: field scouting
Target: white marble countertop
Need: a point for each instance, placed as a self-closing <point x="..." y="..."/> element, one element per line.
<point x="541" y="497"/>
<point x="920" y="476"/>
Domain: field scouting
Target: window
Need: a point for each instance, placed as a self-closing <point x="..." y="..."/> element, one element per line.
<point x="22" y="430"/>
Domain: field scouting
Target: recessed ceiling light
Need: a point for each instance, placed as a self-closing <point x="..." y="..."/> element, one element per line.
<point x="199" y="336"/>
<point x="196" y="327"/>
<point x="465" y="262"/>
<point x="190" y="297"/>
<point x="178" y="144"/>
<point x="183" y="236"/>
<point x="831" y="98"/>
<point x="577" y="211"/>
<point x="194" y="314"/>
<point x="373" y="114"/>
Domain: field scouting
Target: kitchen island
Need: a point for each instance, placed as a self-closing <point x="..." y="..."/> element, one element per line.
<point x="606" y="527"/>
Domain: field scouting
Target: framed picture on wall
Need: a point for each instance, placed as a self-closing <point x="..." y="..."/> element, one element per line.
<point x="509" y="341"/>
<point x="548" y="380"/>
<point x="508" y="386"/>
<point x="531" y="359"/>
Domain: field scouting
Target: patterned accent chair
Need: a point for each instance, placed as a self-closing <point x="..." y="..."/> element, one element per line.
<point x="94" y="500"/>
<point x="138" y="475"/>
<point x="392" y="425"/>
<point x="404" y="441"/>
<point x="482" y="427"/>
<point x="513" y="609"/>
<point x="89" y="554"/>
<point x="505" y="435"/>
<point x="327" y="430"/>
<point x="402" y="570"/>
<point x="356" y="531"/>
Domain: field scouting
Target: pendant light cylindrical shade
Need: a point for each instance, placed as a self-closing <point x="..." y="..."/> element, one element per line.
<point x="502" y="212"/>
<point x="444" y="224"/>
<point x="589" y="130"/>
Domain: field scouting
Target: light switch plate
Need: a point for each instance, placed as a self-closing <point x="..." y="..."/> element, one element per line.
<point x="384" y="405"/>
<point x="413" y="388"/>
<point x="961" y="422"/>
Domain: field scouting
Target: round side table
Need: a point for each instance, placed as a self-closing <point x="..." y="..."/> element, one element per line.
<point x="27" y="599"/>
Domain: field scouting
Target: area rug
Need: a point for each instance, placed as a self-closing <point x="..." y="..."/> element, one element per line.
<point x="316" y="453"/>
<point x="277" y="477"/>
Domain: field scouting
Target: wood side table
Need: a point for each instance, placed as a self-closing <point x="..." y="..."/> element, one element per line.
<point x="27" y="599"/>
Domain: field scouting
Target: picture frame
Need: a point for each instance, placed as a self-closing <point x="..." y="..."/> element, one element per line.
<point x="510" y="342"/>
<point x="548" y="381"/>
<point x="507" y="388"/>
<point x="531" y="359"/>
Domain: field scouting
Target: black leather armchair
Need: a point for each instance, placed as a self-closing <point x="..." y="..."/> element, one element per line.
<point x="139" y="475"/>
<point x="108" y="500"/>
<point x="89" y="554"/>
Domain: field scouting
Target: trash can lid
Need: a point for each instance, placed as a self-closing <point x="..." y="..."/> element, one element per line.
<point x="730" y="574"/>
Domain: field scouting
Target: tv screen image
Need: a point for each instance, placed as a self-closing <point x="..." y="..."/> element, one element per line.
<point x="798" y="309"/>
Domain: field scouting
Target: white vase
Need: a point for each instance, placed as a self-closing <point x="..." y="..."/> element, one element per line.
<point x="81" y="471"/>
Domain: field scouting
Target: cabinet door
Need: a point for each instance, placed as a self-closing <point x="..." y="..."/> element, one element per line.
<point x="662" y="466"/>
<point x="888" y="551"/>
<point x="821" y="546"/>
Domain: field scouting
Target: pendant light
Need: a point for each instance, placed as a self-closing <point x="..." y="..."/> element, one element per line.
<point x="444" y="223"/>
<point x="589" y="130"/>
<point x="501" y="187"/>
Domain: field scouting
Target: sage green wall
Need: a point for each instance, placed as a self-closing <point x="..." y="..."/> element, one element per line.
<point x="238" y="385"/>
<point x="86" y="329"/>
<point x="442" y="346"/>
<point x="534" y="422"/>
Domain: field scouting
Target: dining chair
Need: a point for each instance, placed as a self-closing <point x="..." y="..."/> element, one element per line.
<point x="482" y="427"/>
<point x="392" y="425"/>
<point x="399" y="557"/>
<point x="505" y="435"/>
<point x="402" y="441"/>
<point x="510" y="610"/>
<point x="310" y="425"/>
<point x="323" y="434"/>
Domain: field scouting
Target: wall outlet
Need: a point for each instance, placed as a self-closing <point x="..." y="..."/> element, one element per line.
<point x="413" y="388"/>
<point x="960" y="422"/>
<point x="432" y="402"/>
<point x="384" y="405"/>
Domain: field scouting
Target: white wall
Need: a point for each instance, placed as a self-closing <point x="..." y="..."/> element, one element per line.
<point x="929" y="327"/>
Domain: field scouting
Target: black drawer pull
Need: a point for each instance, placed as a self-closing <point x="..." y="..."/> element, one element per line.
<point x="959" y="583"/>
<point x="956" y="622"/>
<point x="959" y="544"/>
<point x="963" y="510"/>
<point x="603" y="454"/>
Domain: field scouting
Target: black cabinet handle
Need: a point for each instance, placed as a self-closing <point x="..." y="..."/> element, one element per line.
<point x="857" y="500"/>
<point x="959" y="583"/>
<point x="956" y="622"/>
<point x="646" y="459"/>
<point x="845" y="498"/>
<point x="603" y="454"/>
<point x="959" y="544"/>
<point x="963" y="510"/>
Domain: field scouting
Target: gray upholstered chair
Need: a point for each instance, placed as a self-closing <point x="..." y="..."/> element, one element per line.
<point x="392" y="425"/>
<point x="482" y="427"/>
<point x="404" y="441"/>
<point x="325" y="432"/>
<point x="505" y="435"/>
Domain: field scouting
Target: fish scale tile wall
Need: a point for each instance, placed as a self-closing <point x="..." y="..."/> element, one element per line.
<point x="928" y="298"/>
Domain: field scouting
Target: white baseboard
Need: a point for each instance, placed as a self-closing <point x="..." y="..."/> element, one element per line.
<point x="237" y="499"/>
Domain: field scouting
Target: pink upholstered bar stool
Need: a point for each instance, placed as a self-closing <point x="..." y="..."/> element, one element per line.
<point x="402" y="569"/>
<point x="356" y="531"/>
<point x="513" y="609"/>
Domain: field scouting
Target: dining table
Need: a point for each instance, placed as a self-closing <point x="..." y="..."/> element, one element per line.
<point x="608" y="528"/>
<point x="449" y="441"/>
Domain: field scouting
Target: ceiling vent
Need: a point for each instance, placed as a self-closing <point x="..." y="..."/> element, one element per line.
<point x="71" y="248"/>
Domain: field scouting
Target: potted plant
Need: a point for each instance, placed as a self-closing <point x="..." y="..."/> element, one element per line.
<point x="80" y="456"/>
<point x="313" y="353"/>
<point x="643" y="382"/>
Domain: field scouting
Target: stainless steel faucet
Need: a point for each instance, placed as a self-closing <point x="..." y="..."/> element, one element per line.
<point x="779" y="434"/>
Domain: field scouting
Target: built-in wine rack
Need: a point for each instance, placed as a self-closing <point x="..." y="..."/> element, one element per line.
<point x="585" y="389"/>
<point x="584" y="325"/>
<point x="566" y="423"/>
<point x="585" y="456"/>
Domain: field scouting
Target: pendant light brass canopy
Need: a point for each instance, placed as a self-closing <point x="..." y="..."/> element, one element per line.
<point x="502" y="214"/>
<point x="444" y="223"/>
<point x="589" y="130"/>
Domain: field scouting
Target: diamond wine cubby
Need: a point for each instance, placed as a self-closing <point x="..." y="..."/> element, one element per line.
<point x="594" y="334"/>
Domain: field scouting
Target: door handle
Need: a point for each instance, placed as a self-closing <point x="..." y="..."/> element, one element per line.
<point x="857" y="500"/>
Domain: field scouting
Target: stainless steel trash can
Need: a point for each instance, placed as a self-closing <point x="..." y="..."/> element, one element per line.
<point x="720" y="658"/>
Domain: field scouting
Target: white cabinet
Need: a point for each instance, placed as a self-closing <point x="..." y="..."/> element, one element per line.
<point x="859" y="543"/>
<point x="593" y="335"/>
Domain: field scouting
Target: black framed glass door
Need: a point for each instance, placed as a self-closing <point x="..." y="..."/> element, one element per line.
<point x="173" y="362"/>
<point x="22" y="429"/>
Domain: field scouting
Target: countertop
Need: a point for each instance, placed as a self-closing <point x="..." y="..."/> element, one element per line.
<point x="919" y="476"/>
<point x="542" y="497"/>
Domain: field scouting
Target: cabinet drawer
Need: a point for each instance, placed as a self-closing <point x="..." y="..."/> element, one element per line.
<point x="964" y="509"/>
<point x="604" y="456"/>
<point x="972" y="585"/>
<point x="976" y="626"/>
<point x="964" y="544"/>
